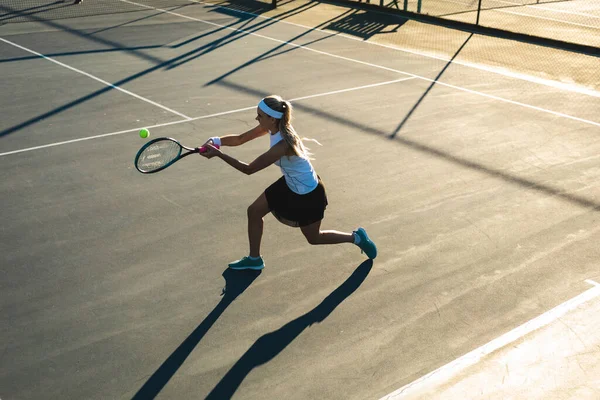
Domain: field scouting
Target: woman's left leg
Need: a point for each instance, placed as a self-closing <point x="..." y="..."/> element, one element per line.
<point x="315" y="235"/>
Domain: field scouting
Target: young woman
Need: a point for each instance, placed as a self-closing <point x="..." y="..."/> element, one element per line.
<point x="298" y="198"/>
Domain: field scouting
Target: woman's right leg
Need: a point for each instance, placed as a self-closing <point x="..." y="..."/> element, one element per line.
<point x="256" y="212"/>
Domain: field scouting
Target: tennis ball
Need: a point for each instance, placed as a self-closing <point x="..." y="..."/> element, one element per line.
<point x="144" y="133"/>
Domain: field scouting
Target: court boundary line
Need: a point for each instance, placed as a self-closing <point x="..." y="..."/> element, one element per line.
<point x="539" y="7"/>
<point x="297" y="46"/>
<point x="307" y="49"/>
<point x="546" y="18"/>
<point x="532" y="6"/>
<point x="94" y="78"/>
<point x="580" y="89"/>
<point x="542" y="6"/>
<point x="449" y="370"/>
<point x="437" y="82"/>
<point x="197" y="118"/>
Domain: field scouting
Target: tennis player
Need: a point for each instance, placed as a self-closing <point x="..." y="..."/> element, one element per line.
<point x="298" y="198"/>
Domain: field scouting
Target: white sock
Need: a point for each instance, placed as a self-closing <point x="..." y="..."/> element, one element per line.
<point x="254" y="258"/>
<point x="356" y="238"/>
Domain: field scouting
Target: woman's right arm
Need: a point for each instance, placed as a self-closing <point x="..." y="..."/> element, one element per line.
<point x="237" y="140"/>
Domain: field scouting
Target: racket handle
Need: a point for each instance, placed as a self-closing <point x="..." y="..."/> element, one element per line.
<point x="203" y="148"/>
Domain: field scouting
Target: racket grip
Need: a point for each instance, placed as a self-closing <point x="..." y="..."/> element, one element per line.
<point x="203" y="148"/>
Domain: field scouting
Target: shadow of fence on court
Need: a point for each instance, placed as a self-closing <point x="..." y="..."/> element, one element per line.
<point x="48" y="10"/>
<point x="365" y="24"/>
<point x="426" y="92"/>
<point x="565" y="21"/>
<point x="580" y="201"/>
<point x="249" y="24"/>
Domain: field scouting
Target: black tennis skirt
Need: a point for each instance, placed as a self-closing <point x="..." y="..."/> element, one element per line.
<point x="296" y="209"/>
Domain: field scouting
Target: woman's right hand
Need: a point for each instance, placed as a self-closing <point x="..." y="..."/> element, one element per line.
<point x="210" y="151"/>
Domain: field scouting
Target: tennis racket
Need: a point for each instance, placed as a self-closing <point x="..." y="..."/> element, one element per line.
<point x="161" y="153"/>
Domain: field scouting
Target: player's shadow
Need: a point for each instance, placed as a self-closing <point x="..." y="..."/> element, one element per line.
<point x="236" y="282"/>
<point x="271" y="344"/>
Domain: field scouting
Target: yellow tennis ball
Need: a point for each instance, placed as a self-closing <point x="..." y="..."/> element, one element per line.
<point x="144" y="133"/>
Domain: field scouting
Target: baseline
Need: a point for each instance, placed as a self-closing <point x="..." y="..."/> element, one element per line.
<point x="449" y="370"/>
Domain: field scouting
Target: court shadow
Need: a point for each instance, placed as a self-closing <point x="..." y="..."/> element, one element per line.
<point x="426" y="92"/>
<point x="279" y="49"/>
<point x="271" y="344"/>
<point x="365" y="24"/>
<point x="24" y="13"/>
<point x="247" y="22"/>
<point x="249" y="25"/>
<point x="49" y="22"/>
<point x="442" y="154"/>
<point x="236" y="282"/>
<point x="233" y="8"/>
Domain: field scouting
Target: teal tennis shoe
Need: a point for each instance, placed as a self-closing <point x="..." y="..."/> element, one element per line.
<point x="366" y="245"/>
<point x="247" y="263"/>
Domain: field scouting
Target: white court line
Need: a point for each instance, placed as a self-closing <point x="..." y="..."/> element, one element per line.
<point x="564" y="12"/>
<point x="556" y="10"/>
<point x="590" y="92"/>
<point x="196" y="118"/>
<point x="545" y="18"/>
<point x="542" y="7"/>
<point x="95" y="78"/>
<point x="44" y="146"/>
<point x="449" y="370"/>
<point x="502" y="99"/>
<point x="348" y="90"/>
<point x="495" y="70"/>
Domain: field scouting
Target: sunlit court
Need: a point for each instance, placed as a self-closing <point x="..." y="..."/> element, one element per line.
<point x="471" y="156"/>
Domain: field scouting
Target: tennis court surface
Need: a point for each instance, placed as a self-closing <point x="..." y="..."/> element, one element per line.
<point x="472" y="161"/>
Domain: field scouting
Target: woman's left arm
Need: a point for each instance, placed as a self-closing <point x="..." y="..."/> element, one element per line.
<point x="261" y="162"/>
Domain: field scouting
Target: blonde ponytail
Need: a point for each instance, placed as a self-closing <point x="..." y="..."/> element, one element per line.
<point x="288" y="133"/>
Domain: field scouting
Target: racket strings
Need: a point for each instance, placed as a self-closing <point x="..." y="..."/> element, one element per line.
<point x="158" y="155"/>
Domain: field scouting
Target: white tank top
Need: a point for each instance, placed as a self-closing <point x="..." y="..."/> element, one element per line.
<point x="299" y="173"/>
